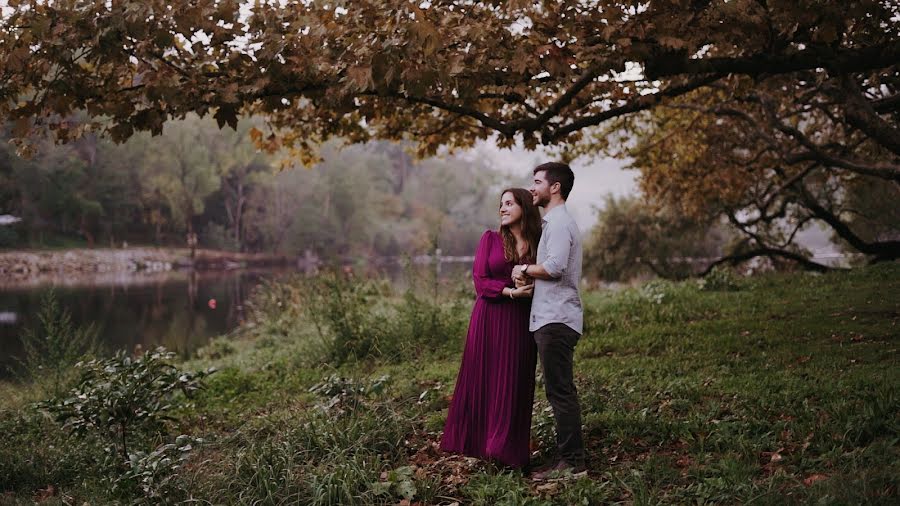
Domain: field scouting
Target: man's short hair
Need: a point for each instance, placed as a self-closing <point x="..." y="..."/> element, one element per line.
<point x="558" y="173"/>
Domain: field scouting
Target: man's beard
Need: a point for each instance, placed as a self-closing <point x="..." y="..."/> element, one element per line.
<point x="540" y="200"/>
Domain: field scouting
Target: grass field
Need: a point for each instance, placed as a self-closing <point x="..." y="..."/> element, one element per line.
<point x="769" y="390"/>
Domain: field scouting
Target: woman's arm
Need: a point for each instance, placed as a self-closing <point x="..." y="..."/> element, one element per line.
<point x="485" y="285"/>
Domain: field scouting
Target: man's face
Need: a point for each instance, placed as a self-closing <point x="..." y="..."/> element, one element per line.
<point x="540" y="189"/>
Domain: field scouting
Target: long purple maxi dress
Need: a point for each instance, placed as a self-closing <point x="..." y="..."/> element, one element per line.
<point x="490" y="414"/>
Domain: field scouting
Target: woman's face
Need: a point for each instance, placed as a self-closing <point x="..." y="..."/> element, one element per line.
<point x="510" y="210"/>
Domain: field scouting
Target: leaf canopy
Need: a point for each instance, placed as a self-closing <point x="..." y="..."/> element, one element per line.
<point x="443" y="73"/>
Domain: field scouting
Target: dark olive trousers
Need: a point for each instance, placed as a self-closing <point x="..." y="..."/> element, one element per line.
<point x="556" y="348"/>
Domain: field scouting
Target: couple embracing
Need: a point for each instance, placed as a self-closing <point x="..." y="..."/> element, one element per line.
<point x="528" y="306"/>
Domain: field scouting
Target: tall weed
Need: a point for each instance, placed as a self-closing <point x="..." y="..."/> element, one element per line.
<point x="356" y="319"/>
<point x="52" y="348"/>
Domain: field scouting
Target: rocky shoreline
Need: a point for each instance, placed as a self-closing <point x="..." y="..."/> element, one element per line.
<point x="30" y="263"/>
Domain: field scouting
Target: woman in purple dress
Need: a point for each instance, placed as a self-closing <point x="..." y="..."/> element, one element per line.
<point x="490" y="415"/>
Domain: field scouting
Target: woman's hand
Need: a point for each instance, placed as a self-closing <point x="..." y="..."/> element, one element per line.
<point x="524" y="291"/>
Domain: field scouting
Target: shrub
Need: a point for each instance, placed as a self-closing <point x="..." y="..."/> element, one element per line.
<point x="422" y="324"/>
<point x="345" y="306"/>
<point x="122" y="398"/>
<point x="153" y="475"/>
<point x="720" y="279"/>
<point x="345" y="393"/>
<point x="217" y="348"/>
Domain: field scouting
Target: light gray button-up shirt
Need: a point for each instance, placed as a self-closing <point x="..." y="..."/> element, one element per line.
<point x="557" y="300"/>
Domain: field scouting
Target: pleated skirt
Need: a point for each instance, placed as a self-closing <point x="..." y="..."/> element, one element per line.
<point x="490" y="414"/>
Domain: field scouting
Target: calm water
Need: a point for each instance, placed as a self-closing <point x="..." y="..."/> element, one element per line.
<point x="171" y="309"/>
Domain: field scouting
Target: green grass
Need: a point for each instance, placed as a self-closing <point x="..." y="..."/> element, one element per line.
<point x="786" y="390"/>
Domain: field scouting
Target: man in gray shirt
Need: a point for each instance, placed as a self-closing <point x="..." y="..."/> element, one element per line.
<point x="556" y="311"/>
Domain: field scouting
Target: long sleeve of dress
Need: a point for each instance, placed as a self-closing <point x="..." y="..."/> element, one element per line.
<point x="486" y="285"/>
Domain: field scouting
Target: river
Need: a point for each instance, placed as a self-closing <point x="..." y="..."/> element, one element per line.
<point x="180" y="310"/>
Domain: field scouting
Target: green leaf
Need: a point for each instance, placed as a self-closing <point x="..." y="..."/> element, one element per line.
<point x="407" y="489"/>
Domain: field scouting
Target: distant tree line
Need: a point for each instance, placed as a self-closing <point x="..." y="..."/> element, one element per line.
<point x="195" y="178"/>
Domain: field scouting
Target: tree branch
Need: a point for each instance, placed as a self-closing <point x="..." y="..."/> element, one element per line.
<point x="765" y="251"/>
<point x="512" y="98"/>
<point x="639" y="104"/>
<point x="816" y="153"/>
<point x="882" y="171"/>
<point x="836" y="60"/>
<point x="485" y="120"/>
<point x="886" y="104"/>
<point x="564" y="100"/>
<point x="860" y="113"/>
<point x="887" y="250"/>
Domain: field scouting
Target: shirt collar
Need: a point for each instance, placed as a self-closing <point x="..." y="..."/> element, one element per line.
<point x="553" y="213"/>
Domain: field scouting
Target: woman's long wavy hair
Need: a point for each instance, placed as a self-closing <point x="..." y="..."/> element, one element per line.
<point x="531" y="227"/>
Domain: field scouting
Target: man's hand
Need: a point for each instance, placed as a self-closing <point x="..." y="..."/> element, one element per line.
<point x="518" y="276"/>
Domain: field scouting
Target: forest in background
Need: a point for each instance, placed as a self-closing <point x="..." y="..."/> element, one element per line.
<point x="368" y="199"/>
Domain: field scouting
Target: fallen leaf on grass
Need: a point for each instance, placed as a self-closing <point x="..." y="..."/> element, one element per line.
<point x="547" y="487"/>
<point x="684" y="461"/>
<point x="773" y="457"/>
<point x="45" y="493"/>
<point x="814" y="478"/>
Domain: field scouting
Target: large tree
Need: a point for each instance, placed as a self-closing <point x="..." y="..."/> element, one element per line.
<point x="450" y="72"/>
<point x="772" y="158"/>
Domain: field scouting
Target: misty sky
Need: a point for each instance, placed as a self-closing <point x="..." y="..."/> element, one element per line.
<point x="596" y="178"/>
<point x="593" y="178"/>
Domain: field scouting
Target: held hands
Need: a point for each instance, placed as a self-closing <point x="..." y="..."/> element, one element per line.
<point x="524" y="291"/>
<point x="520" y="277"/>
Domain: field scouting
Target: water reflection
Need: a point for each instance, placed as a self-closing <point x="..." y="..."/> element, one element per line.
<point x="180" y="310"/>
<point x="170" y="309"/>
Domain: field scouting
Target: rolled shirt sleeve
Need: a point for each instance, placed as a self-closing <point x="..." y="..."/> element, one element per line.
<point x="559" y="244"/>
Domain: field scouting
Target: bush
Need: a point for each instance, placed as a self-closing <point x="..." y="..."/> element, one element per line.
<point x="345" y="306"/>
<point x="217" y="236"/>
<point x="153" y="475"/>
<point x="123" y="398"/>
<point x="720" y="279"/>
<point x="342" y="393"/>
<point x="218" y="347"/>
